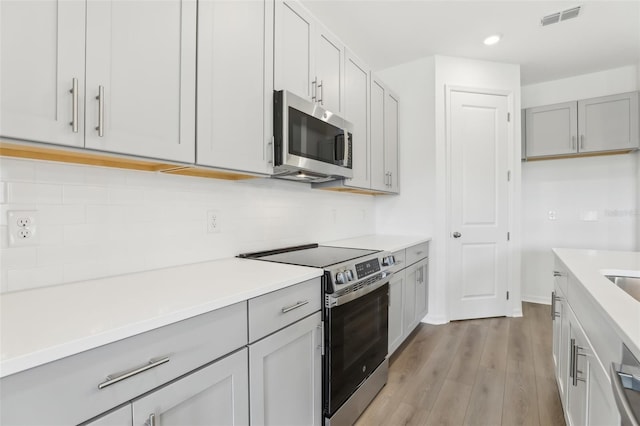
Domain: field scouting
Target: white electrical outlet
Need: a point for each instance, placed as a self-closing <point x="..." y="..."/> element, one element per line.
<point x="213" y="221"/>
<point x="23" y="228"/>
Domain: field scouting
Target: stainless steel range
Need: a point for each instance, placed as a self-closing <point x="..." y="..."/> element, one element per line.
<point x="355" y="288"/>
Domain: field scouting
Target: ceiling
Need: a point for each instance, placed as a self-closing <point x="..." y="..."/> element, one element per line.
<point x="385" y="33"/>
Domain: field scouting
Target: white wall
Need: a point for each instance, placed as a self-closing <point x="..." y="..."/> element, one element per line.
<point x="421" y="204"/>
<point x="96" y="222"/>
<point x="607" y="187"/>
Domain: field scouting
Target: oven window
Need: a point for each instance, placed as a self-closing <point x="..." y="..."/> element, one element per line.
<point x="356" y="345"/>
<point x="315" y="139"/>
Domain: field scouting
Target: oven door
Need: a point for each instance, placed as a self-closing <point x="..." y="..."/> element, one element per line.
<point x="356" y="343"/>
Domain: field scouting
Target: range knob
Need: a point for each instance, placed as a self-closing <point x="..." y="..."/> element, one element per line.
<point x="388" y="261"/>
<point x="349" y="274"/>
<point x="340" y="278"/>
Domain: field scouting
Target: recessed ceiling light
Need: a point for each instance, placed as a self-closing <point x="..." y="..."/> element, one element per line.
<point x="492" y="39"/>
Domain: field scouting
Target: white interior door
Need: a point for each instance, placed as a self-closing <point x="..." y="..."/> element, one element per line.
<point x="477" y="265"/>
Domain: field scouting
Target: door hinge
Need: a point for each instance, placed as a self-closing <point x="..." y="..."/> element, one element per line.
<point x="507" y="295"/>
<point x="509" y="117"/>
<point x="508" y="236"/>
<point x="508" y="175"/>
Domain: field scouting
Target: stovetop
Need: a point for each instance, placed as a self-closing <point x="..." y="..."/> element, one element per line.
<point x="312" y="255"/>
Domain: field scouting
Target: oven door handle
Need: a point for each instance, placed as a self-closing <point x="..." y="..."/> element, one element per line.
<point x="332" y="301"/>
<point x="626" y="412"/>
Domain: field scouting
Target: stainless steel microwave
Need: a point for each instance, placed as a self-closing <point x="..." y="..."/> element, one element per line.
<point x="310" y="143"/>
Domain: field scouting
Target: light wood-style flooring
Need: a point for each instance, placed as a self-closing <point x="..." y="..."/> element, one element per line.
<point x="495" y="371"/>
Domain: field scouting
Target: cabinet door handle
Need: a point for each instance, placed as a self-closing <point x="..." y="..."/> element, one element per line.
<point x="100" y="98"/>
<point x="74" y="105"/>
<point x="572" y="359"/>
<point x="295" y="306"/>
<point x="573" y="142"/>
<point x="557" y="274"/>
<point x="581" y="141"/>
<point x="390" y="178"/>
<point x="314" y="89"/>
<point x="151" y="421"/>
<point x="321" y="98"/>
<point x="553" y="306"/>
<point x="113" y="379"/>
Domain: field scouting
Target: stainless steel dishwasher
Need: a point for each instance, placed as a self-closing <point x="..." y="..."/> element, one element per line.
<point x="625" y="381"/>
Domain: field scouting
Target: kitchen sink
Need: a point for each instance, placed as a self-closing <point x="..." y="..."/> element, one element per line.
<point x="630" y="284"/>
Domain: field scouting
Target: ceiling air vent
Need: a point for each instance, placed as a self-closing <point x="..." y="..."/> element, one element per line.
<point x="570" y="13"/>
<point x="550" y="19"/>
<point x="554" y="18"/>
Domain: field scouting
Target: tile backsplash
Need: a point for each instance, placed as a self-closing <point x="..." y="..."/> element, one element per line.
<point x="96" y="222"/>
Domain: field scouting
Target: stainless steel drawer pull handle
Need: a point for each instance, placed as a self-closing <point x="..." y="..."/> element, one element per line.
<point x="557" y="274"/>
<point x="314" y="89"/>
<point x="151" y="421"/>
<point x="581" y="141"/>
<point x="100" y="98"/>
<point x="112" y="379"/>
<point x="296" y="306"/>
<point x="74" y="105"/>
<point x="573" y="142"/>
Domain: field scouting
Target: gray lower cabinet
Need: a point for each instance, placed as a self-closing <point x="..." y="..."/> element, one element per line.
<point x="396" y="296"/>
<point x="285" y="375"/>
<point x="119" y="417"/>
<point x="408" y="293"/>
<point x="214" y="395"/>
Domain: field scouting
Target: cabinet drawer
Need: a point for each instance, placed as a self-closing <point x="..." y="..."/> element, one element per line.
<point x="278" y="309"/>
<point x="417" y="252"/>
<point x="66" y="391"/>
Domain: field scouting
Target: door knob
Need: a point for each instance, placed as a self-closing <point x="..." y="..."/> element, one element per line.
<point x="457" y="235"/>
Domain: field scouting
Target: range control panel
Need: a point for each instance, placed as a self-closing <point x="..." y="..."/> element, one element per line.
<point x="367" y="268"/>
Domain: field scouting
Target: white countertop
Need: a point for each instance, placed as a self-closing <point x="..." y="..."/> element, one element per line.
<point x="43" y="325"/>
<point x="622" y="310"/>
<point x="380" y="242"/>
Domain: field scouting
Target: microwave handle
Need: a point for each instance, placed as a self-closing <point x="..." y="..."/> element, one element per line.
<point x="346" y="143"/>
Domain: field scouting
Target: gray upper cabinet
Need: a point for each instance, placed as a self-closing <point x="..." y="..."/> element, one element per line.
<point x="235" y="84"/>
<point x="552" y="130"/>
<point x="609" y="123"/>
<point x="107" y="75"/>
<point x="308" y="59"/>
<point x="384" y="138"/>
<point x="357" y="112"/>
<point x="604" y="124"/>
<point x="42" y="78"/>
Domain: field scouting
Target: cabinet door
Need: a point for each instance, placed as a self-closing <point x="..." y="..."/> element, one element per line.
<point x="410" y="296"/>
<point x="215" y="395"/>
<point x="391" y="141"/>
<point x="396" y="313"/>
<point x="609" y="123"/>
<point x="422" y="290"/>
<point x="356" y="77"/>
<point x="141" y="58"/>
<point x="119" y="417"/>
<point x="329" y="62"/>
<point x="602" y="409"/>
<point x="235" y="84"/>
<point x="41" y="56"/>
<point x="560" y="341"/>
<point x="552" y="130"/>
<point x="293" y="50"/>
<point x="379" y="178"/>
<point x="285" y="375"/>
<point x="576" y="408"/>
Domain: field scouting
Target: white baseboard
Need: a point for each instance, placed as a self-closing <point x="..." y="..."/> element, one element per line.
<point x="434" y="319"/>
<point x="543" y="300"/>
